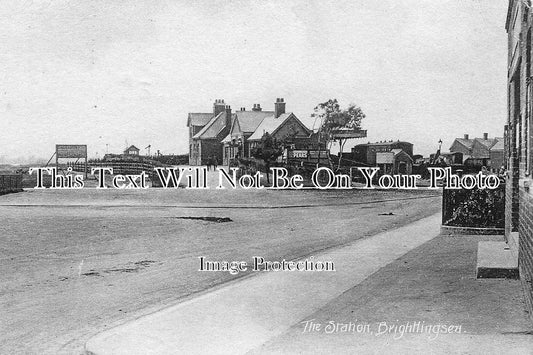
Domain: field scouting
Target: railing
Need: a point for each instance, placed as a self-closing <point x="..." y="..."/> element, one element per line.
<point x="125" y="167"/>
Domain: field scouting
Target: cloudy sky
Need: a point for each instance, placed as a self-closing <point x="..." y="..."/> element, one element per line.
<point x="104" y="73"/>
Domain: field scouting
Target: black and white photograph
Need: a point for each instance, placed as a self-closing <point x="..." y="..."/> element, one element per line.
<point x="266" y="177"/>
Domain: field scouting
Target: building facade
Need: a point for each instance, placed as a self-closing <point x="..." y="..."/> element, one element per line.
<point x="248" y="128"/>
<point x="244" y="124"/>
<point x="367" y="153"/>
<point x="518" y="141"/>
<point x="486" y="151"/>
<point x="131" y="150"/>
<point x="206" y="131"/>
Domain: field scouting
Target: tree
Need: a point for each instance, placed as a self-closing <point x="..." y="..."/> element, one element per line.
<point x="338" y="125"/>
<point x="269" y="150"/>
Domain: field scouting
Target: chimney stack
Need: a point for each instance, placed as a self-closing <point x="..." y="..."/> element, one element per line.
<point x="228" y="116"/>
<point x="466" y="136"/>
<point x="279" y="107"/>
<point x="219" y="106"/>
<point x="257" y="107"/>
<point x="485" y="136"/>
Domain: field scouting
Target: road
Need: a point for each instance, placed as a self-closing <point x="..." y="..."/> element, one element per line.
<point x="78" y="262"/>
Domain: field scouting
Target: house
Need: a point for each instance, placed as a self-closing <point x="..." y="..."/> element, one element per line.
<point x="248" y="128"/>
<point x="462" y="145"/>
<point x="496" y="154"/>
<point x="244" y="124"/>
<point x="392" y="157"/>
<point x="518" y="158"/>
<point x="395" y="161"/>
<point x="477" y="151"/>
<point x="367" y="153"/>
<point x="131" y="150"/>
<point x="206" y="131"/>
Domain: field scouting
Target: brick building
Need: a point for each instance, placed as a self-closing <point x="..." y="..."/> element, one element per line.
<point x="518" y="142"/>
<point x="206" y="131"/>
<point x="248" y="128"/>
<point x="488" y="151"/>
<point x="367" y="153"/>
<point x="243" y="126"/>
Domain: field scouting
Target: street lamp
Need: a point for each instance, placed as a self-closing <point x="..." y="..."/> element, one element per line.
<point x="240" y="150"/>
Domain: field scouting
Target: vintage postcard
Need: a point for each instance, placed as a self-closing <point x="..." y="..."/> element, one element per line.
<point x="266" y="177"/>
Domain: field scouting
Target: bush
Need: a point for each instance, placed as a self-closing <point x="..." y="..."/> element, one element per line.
<point x="478" y="208"/>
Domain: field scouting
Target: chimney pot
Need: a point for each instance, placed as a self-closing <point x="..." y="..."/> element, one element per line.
<point x="218" y="106"/>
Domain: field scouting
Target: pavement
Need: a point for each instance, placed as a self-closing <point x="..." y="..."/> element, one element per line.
<point x="422" y="284"/>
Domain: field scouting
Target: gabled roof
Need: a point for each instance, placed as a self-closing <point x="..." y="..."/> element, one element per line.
<point x="213" y="128"/>
<point x="500" y="144"/>
<point x="397" y="152"/>
<point x="271" y="124"/>
<point x="487" y="143"/>
<point x="468" y="143"/>
<point x="131" y="147"/>
<point x="198" y="119"/>
<point x="249" y="120"/>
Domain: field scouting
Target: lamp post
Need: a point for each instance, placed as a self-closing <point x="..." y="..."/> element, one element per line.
<point x="240" y="148"/>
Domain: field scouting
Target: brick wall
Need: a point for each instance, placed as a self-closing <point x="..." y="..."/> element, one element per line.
<point x="525" y="248"/>
<point x="519" y="201"/>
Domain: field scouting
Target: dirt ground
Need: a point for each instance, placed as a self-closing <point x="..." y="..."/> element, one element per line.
<point x="77" y="262"/>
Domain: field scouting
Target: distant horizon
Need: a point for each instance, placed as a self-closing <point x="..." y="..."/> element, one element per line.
<point x="75" y="73"/>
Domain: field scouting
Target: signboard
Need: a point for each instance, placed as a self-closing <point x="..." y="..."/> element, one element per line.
<point x="313" y="154"/>
<point x="348" y="134"/>
<point x="385" y="158"/>
<point x="301" y="154"/>
<point x="71" y="151"/>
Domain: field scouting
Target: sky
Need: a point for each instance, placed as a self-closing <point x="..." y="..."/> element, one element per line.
<point x="111" y="73"/>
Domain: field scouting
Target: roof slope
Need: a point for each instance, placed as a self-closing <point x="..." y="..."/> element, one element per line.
<point x="213" y="128"/>
<point x="250" y="120"/>
<point x="131" y="147"/>
<point x="500" y="144"/>
<point x="198" y="118"/>
<point x="487" y="143"/>
<point x="466" y="142"/>
<point x="271" y="124"/>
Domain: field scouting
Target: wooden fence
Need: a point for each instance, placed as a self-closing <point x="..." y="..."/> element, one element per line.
<point x="119" y="167"/>
<point x="10" y="183"/>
